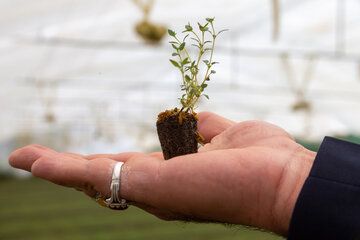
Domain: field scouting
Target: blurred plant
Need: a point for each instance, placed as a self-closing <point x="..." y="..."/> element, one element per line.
<point x="48" y="95"/>
<point x="150" y="32"/>
<point x="299" y="90"/>
<point x="103" y="129"/>
<point x="302" y="103"/>
<point x="145" y="7"/>
<point x="192" y="85"/>
<point x="276" y="19"/>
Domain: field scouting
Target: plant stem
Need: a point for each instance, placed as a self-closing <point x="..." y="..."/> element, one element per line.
<point x="201" y="45"/>
<point x="211" y="56"/>
<point x="212" y="52"/>
<point x="187" y="54"/>
<point x="181" y="69"/>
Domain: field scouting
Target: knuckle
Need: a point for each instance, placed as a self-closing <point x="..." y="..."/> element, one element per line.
<point x="250" y="126"/>
<point x="39" y="167"/>
<point x="259" y="129"/>
<point x="242" y="129"/>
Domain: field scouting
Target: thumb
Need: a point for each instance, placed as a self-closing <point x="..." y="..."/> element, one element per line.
<point x="211" y="125"/>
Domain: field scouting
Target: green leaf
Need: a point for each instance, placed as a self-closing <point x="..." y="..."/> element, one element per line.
<point x="174" y="42"/>
<point x="194" y="70"/>
<point x="224" y="30"/>
<point x="195" y="39"/>
<point x="175" y="47"/>
<point x="210" y="20"/>
<point x="211" y="33"/>
<point x="176" y="64"/>
<point x="212" y="72"/>
<point x="206" y="62"/>
<point x="187" y="78"/>
<point x="175" y="54"/>
<point x="203" y="28"/>
<point x="181" y="47"/>
<point x="185" y="37"/>
<point x="206" y="96"/>
<point x="200" y="27"/>
<point x="188" y="27"/>
<point x="171" y="32"/>
<point x="203" y="86"/>
<point x="195" y="46"/>
<point x="182" y="101"/>
<point x="185" y="61"/>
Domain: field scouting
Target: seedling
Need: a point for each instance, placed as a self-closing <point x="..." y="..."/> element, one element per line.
<point x="177" y="128"/>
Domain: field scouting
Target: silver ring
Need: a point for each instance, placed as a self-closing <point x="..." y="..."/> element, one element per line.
<point x="114" y="202"/>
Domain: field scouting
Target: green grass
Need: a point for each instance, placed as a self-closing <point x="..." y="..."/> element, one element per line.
<point x="36" y="209"/>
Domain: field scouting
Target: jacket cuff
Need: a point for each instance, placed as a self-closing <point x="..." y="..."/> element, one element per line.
<point x="328" y="206"/>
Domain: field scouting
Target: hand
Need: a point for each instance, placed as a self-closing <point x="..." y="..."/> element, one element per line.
<point x="248" y="173"/>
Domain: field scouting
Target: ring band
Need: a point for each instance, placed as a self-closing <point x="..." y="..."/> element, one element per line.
<point x="114" y="202"/>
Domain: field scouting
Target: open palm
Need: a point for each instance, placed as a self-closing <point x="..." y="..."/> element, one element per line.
<point x="247" y="173"/>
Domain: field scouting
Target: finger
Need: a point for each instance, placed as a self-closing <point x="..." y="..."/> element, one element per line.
<point x="65" y="169"/>
<point x="74" y="155"/>
<point x="161" y="214"/>
<point x="211" y="125"/>
<point x="123" y="157"/>
<point x="250" y="133"/>
<point x="71" y="170"/>
<point x="88" y="176"/>
<point x="23" y="158"/>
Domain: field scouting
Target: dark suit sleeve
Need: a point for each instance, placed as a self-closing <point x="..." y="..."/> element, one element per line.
<point x="328" y="206"/>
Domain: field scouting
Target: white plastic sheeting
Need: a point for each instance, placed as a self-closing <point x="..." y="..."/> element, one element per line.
<point x="75" y="75"/>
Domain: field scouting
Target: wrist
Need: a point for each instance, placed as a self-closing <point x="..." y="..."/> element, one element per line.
<point x="294" y="174"/>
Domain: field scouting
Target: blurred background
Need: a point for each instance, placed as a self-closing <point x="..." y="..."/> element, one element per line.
<point x="91" y="76"/>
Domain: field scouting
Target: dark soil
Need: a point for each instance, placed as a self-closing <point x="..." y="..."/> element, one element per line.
<point x="177" y="133"/>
